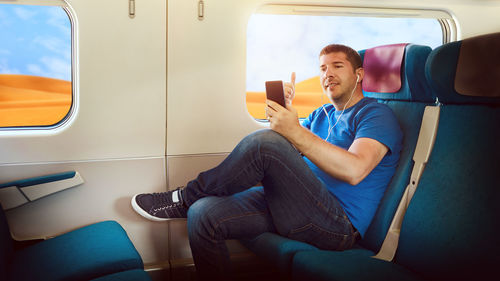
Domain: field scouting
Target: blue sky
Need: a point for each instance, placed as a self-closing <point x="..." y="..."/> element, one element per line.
<point x="35" y="40"/>
<point x="280" y="44"/>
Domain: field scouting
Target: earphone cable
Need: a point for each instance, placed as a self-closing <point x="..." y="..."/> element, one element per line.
<point x="340" y="116"/>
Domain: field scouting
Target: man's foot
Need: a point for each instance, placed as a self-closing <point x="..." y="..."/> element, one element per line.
<point x="160" y="206"/>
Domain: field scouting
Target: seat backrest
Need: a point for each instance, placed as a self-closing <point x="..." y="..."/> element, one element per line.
<point x="6" y="245"/>
<point x="451" y="226"/>
<point x="410" y="94"/>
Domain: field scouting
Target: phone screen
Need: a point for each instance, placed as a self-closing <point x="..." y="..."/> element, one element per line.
<point x="275" y="92"/>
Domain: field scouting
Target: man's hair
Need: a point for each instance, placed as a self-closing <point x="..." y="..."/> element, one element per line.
<point x="352" y="56"/>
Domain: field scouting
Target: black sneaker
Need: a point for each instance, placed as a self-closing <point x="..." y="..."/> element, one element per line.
<point x="160" y="206"/>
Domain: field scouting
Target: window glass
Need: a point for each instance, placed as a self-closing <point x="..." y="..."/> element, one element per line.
<point x="280" y="44"/>
<point x="35" y="65"/>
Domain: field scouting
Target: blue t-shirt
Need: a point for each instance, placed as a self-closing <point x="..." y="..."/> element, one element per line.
<point x="366" y="119"/>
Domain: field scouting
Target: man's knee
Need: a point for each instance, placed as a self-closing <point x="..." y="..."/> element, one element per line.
<point x="267" y="139"/>
<point x="266" y="135"/>
<point x="202" y="219"/>
<point x="198" y="210"/>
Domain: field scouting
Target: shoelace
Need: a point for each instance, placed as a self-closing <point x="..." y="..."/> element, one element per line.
<point x="164" y="201"/>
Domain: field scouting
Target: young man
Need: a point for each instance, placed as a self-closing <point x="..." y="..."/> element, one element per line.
<point x="322" y="179"/>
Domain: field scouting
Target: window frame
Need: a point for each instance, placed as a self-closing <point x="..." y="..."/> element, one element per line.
<point x="446" y="20"/>
<point x="68" y="119"/>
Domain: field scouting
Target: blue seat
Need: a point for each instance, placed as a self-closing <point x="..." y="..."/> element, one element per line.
<point x="83" y="254"/>
<point x="450" y="228"/>
<point x="408" y="105"/>
<point x="408" y="101"/>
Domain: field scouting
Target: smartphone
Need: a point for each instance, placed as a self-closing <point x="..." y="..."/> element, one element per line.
<point x="276" y="92"/>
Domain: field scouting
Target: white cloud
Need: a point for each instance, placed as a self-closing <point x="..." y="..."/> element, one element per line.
<point x="57" y="68"/>
<point x="51" y="67"/>
<point x="5" y="68"/>
<point x="35" y="69"/>
<point x="58" y="18"/>
<point x="55" y="45"/>
<point x="24" y="13"/>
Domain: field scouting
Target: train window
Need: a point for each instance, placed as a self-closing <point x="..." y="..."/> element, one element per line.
<point x="36" y="85"/>
<point x="283" y="39"/>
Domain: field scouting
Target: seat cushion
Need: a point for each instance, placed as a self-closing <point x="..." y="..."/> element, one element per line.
<point x="89" y="252"/>
<point x="129" y="275"/>
<point x="276" y="249"/>
<point x="350" y="265"/>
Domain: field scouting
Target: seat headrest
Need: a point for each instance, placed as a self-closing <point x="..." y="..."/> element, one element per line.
<point x="466" y="71"/>
<point x="383" y="68"/>
<point x="396" y="72"/>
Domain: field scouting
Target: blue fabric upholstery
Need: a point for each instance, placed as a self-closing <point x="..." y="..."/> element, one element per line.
<point x="451" y="227"/>
<point x="353" y="265"/>
<point x="276" y="249"/>
<point x="129" y="275"/>
<point x="89" y="252"/>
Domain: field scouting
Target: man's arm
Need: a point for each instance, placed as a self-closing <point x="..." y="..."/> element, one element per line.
<point x="351" y="166"/>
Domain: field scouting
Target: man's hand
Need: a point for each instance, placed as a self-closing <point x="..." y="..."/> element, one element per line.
<point x="284" y="121"/>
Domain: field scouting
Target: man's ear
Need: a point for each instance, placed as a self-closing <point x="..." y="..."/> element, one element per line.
<point x="360" y="73"/>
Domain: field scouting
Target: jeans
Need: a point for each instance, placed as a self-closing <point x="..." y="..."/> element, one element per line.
<point x="292" y="201"/>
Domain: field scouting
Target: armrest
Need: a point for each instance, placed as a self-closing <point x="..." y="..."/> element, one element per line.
<point x="20" y="192"/>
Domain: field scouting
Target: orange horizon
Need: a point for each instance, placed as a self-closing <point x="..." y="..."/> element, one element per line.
<point x="27" y="100"/>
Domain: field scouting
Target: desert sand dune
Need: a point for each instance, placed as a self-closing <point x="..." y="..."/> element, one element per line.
<point x="32" y="100"/>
